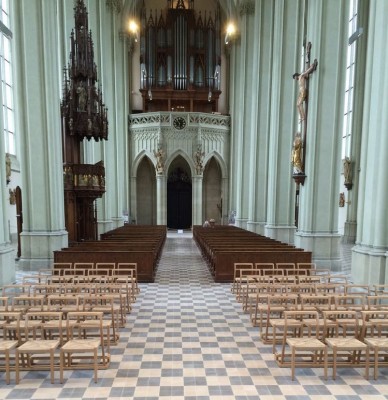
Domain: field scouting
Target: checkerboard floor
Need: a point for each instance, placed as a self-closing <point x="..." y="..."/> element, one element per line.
<point x="187" y="338"/>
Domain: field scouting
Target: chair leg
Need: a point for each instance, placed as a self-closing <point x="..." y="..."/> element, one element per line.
<point x="7" y="372"/>
<point x="17" y="366"/>
<point x="376" y="362"/>
<point x="334" y="362"/>
<point x="367" y="363"/>
<point x="95" y="366"/>
<point x="325" y="361"/>
<point x="293" y="364"/>
<point x="52" y="365"/>
<point x="61" y="365"/>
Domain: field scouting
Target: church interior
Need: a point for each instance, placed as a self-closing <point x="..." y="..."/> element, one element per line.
<point x="187" y="190"/>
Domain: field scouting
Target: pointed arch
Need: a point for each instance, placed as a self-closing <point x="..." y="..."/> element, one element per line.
<point x="139" y="158"/>
<point x="220" y="161"/>
<point x="185" y="156"/>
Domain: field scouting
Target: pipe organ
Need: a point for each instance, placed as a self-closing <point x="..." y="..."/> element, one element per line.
<point x="180" y="56"/>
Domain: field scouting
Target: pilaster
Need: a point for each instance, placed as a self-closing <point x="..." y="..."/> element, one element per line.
<point x="161" y="199"/>
<point x="286" y="50"/>
<point x="40" y="132"/>
<point x="369" y="257"/>
<point x="318" y="211"/>
<point x="197" y="212"/>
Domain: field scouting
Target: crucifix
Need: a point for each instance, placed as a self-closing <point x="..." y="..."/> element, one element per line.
<point x="298" y="155"/>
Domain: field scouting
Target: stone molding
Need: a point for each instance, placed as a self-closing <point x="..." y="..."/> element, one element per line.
<point x="114" y="5"/>
<point x="247" y="7"/>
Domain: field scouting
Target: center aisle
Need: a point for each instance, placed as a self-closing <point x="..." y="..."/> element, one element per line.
<point x="188" y="336"/>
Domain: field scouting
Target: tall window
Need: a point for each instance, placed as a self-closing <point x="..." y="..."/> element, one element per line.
<point x="349" y="86"/>
<point x="8" y="112"/>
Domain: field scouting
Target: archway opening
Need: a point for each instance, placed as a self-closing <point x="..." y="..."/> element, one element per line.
<point x="146" y="193"/>
<point x="179" y="195"/>
<point x="212" y="191"/>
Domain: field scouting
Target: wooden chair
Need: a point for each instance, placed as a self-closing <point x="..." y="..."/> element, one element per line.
<point x="3" y="303"/>
<point x="237" y="274"/>
<point x="307" y="340"/>
<point x="309" y="266"/>
<point x="105" y="304"/>
<point x="377" y="302"/>
<point x="38" y="346"/>
<point x="107" y="266"/>
<point x="375" y="335"/>
<point x="345" y="345"/>
<point x="132" y="266"/>
<point x="277" y="305"/>
<point x="125" y="277"/>
<point x="79" y="349"/>
<point x="7" y="345"/>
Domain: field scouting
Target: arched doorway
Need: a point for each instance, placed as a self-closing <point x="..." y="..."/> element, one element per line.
<point x="146" y="193"/>
<point x="179" y="195"/>
<point x="212" y="192"/>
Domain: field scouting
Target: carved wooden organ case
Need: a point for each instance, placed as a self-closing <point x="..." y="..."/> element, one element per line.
<point x="180" y="57"/>
<point x="84" y="115"/>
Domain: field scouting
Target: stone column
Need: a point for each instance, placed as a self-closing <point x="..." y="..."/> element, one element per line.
<point x="369" y="257"/>
<point x="161" y="199"/>
<point x="197" y="217"/>
<point x="242" y="125"/>
<point x="327" y="30"/>
<point x="286" y="50"/>
<point x="38" y="99"/>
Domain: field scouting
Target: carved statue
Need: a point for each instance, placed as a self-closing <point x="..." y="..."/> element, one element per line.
<point x="302" y="97"/>
<point x="342" y="200"/>
<point x="296" y="155"/>
<point x="159" y="155"/>
<point x="12" y="196"/>
<point x="8" y="168"/>
<point x="198" y="160"/>
<point x="81" y="98"/>
<point x="347" y="164"/>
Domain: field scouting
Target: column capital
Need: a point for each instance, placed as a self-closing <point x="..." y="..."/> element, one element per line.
<point x="247" y="7"/>
<point x="114" y="5"/>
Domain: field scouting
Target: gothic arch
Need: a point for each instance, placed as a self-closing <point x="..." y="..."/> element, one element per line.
<point x="139" y="158"/>
<point x="220" y="161"/>
<point x="185" y="156"/>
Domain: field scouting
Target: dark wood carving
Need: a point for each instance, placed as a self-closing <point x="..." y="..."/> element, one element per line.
<point x="84" y="115"/>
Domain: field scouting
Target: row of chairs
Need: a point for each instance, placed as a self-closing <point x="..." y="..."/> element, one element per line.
<point x="83" y="272"/>
<point x="340" y="339"/>
<point x="95" y="308"/>
<point x="49" y="341"/>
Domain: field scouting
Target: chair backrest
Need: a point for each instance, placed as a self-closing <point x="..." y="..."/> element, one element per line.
<point x="378" y="302"/>
<point x="350" y="301"/>
<point x="375" y="323"/>
<point x="106" y="266"/>
<point x="305" y="265"/>
<point x="75" y="320"/>
<point x="309" y="322"/>
<point x="128" y="266"/>
<point x="357" y="289"/>
<point x="46" y="319"/>
<point x="241" y="266"/>
<point x="83" y="265"/>
<point x="288" y="267"/>
<point x="343" y="322"/>
<point x="320" y="302"/>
